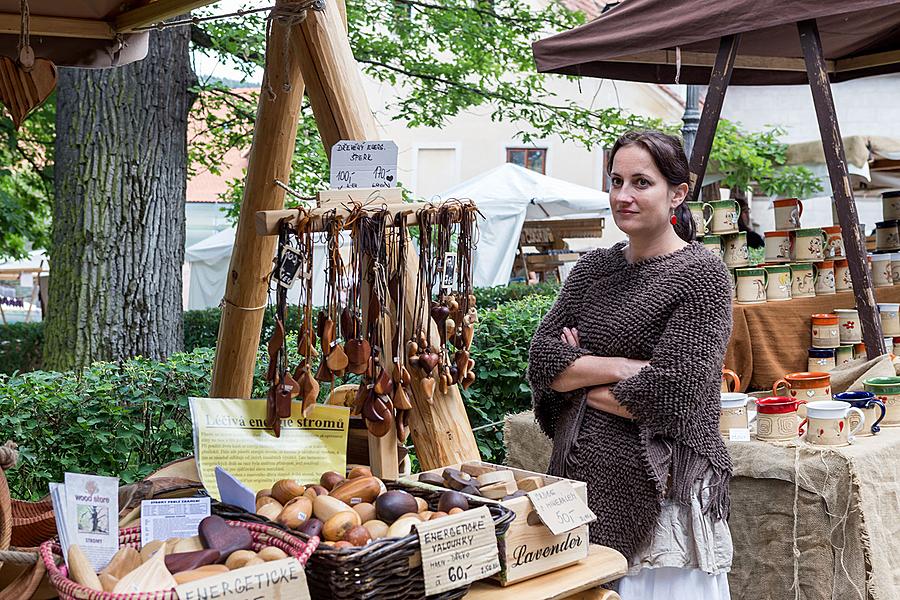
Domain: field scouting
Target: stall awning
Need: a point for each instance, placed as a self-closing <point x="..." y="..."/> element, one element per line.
<point x="645" y="40"/>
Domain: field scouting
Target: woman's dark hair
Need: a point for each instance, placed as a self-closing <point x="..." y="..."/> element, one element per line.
<point x="668" y="154"/>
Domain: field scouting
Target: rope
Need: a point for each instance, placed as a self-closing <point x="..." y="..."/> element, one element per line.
<point x="9" y="455"/>
<point x="230" y="303"/>
<point x="15" y="557"/>
<point x="287" y="15"/>
<point x="198" y="20"/>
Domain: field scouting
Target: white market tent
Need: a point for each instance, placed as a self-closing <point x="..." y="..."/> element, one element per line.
<point x="509" y="195"/>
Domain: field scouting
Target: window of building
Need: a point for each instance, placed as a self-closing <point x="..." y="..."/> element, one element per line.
<point x="530" y="158"/>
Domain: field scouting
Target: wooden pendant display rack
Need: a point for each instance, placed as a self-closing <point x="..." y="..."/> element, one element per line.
<point x="440" y="428"/>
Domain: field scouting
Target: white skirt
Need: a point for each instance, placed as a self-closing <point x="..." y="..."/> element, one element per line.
<point x="670" y="583"/>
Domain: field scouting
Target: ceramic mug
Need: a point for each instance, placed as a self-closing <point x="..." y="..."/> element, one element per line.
<point x="735" y="251"/>
<point x="776" y="419"/>
<point x="886" y="389"/>
<point x="828" y="423"/>
<point x="825" y="281"/>
<point x="848" y="325"/>
<point x="872" y="408"/>
<point x="889" y="345"/>
<point x="890" y="319"/>
<point x="725" y="215"/>
<point x="895" y="267"/>
<point x="778" y="246"/>
<point x="787" y="214"/>
<point x="809" y="244"/>
<point x="779" y="285"/>
<point x="803" y="280"/>
<point x="859" y="350"/>
<point x="701" y="222"/>
<point x="882" y="270"/>
<point x="842" y="281"/>
<point x="825" y="332"/>
<point x="713" y="243"/>
<point x="821" y="359"/>
<point x="843" y="354"/>
<point x="733" y="413"/>
<point x="751" y="285"/>
<point x="729" y="375"/>
<point x="834" y="243"/>
<point x="805" y="385"/>
<point x="887" y="236"/>
<point x="890" y="205"/>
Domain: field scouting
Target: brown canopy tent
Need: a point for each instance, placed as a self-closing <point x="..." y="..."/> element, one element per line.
<point x="780" y="42"/>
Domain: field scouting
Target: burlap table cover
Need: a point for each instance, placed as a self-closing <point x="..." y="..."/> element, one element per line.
<point x="769" y="340"/>
<point x="806" y="522"/>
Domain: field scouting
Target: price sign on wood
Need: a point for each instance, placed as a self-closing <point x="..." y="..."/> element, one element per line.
<point x="276" y="579"/>
<point x="363" y="165"/>
<point x="458" y="550"/>
<point x="560" y="508"/>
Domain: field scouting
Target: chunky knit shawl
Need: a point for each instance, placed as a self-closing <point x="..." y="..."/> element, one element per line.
<point x="675" y="311"/>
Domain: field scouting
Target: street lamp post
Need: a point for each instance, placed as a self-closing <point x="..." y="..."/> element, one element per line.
<point x="691" y="118"/>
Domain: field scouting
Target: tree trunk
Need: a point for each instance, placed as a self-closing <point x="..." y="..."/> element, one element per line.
<point x="118" y="214"/>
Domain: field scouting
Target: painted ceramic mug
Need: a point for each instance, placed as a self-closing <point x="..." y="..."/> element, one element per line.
<point x="825" y="281"/>
<point x="809" y="244"/>
<point x="778" y="246"/>
<point x="725" y="215"/>
<point x="735" y="251"/>
<point x="882" y="270"/>
<point x="887" y="236"/>
<point x="733" y="413"/>
<point x="895" y="267"/>
<point x="805" y="385"/>
<point x="872" y="408"/>
<point x="843" y="354"/>
<point x="834" y="243"/>
<point x="890" y="205"/>
<point x="751" y="285"/>
<point x="848" y="325"/>
<point x="825" y="333"/>
<point x="701" y="221"/>
<point x="788" y="213"/>
<point x="842" y="281"/>
<point x="828" y="423"/>
<point x="821" y="359"/>
<point x="779" y="286"/>
<point x="776" y="419"/>
<point x="886" y="389"/>
<point x="713" y="243"/>
<point x="730" y="376"/>
<point x="803" y="280"/>
<point x="890" y="318"/>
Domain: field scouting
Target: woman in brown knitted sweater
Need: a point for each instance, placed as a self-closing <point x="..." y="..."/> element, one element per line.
<point x="625" y="372"/>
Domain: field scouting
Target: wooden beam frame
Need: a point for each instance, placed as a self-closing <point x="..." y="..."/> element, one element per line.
<point x="708" y="59"/>
<point x="712" y="109"/>
<point x="835" y="158"/>
<point x="155" y="12"/>
<point x="11" y="23"/>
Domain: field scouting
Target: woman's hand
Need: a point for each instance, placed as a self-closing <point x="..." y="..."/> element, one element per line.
<point x="601" y="398"/>
<point x="570" y="336"/>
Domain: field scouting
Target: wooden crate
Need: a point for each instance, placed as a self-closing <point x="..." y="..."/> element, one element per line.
<point x="527" y="551"/>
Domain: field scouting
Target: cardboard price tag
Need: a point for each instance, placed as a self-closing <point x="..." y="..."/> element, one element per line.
<point x="277" y="580"/>
<point x="739" y="434"/>
<point x="458" y="549"/>
<point x="560" y="508"/>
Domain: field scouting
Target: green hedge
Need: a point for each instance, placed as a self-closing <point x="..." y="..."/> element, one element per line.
<point x="129" y="417"/>
<point x="20" y="347"/>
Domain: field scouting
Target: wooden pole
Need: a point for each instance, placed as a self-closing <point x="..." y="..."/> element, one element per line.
<point x="333" y="80"/>
<point x="835" y="158"/>
<point x="251" y="260"/>
<point x="719" y="79"/>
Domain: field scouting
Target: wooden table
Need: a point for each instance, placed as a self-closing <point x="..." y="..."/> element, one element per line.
<point x="579" y="581"/>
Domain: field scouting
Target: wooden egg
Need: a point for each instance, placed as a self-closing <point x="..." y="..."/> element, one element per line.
<point x="296" y="512"/>
<point x="366" y="511"/>
<point x="420" y="502"/>
<point x="330" y="479"/>
<point x="402" y="527"/>
<point x="437" y="515"/>
<point x="337" y="526"/>
<point x="358" y="536"/>
<point x="456" y="510"/>
<point x="312" y="527"/>
<point x="315" y="490"/>
<point x="450" y="500"/>
<point x="286" y="490"/>
<point x="263" y="500"/>
<point x="270" y="511"/>
<point x="359" y="471"/>
<point x="391" y="505"/>
<point x="325" y="507"/>
<point x="377" y="529"/>
<point x="238" y="559"/>
<point x="270" y="553"/>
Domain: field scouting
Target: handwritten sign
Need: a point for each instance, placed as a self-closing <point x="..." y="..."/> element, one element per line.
<point x="458" y="549"/>
<point x="363" y="165"/>
<point x="280" y="580"/>
<point x="560" y="507"/>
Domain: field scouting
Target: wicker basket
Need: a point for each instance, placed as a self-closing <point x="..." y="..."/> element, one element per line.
<point x="385" y="569"/>
<point x="263" y="535"/>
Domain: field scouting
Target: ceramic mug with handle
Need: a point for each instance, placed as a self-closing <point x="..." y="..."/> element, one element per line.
<point x="730" y="376"/>
<point x="788" y="213"/>
<point x="828" y="423"/>
<point x="733" y="413"/>
<point x="872" y="407"/>
<point x="725" y="214"/>
<point x="777" y="419"/>
<point x="805" y="385"/>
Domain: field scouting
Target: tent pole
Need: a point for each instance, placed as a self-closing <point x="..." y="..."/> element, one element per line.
<point x="719" y="79"/>
<point x="835" y="158"/>
<point x="251" y="261"/>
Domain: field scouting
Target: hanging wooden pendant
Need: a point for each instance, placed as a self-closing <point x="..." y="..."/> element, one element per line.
<point x="292" y="387"/>
<point x="309" y="389"/>
<point x="23" y="88"/>
<point x="401" y="399"/>
<point x="383" y="427"/>
<point x="468" y="379"/>
<point x="324" y="373"/>
<point x="402" y="421"/>
<point x="337" y="359"/>
<point x="450" y="329"/>
<point x="384" y="385"/>
<point x="428" y="385"/>
<point x="428" y="361"/>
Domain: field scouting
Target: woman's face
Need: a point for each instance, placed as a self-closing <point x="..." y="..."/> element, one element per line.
<point x="641" y="199"/>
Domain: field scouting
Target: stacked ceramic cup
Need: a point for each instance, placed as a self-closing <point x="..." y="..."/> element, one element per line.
<point x="717" y="229"/>
<point x="884" y="263"/>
